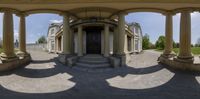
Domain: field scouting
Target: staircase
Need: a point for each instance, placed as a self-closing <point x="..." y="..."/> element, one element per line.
<point x="93" y="61"/>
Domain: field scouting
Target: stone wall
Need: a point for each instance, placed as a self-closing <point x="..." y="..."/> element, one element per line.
<point x="37" y="47"/>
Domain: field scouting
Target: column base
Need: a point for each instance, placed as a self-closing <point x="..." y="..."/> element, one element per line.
<point x="80" y="55"/>
<point x="21" y="54"/>
<point x="122" y="58"/>
<point x="106" y="55"/>
<point x="5" y="58"/>
<point x="171" y="55"/>
<point x="15" y="63"/>
<point x="67" y="59"/>
<point x="184" y="59"/>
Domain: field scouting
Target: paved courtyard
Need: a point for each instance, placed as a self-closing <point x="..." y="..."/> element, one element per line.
<point x="143" y="78"/>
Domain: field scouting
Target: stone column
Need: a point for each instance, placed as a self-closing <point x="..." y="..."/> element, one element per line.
<point x="66" y="35"/>
<point x="106" y="41"/>
<point x="80" y="41"/>
<point x="8" y="37"/>
<point x="22" y="35"/>
<point x="115" y="40"/>
<point x="121" y="34"/>
<point x="72" y="41"/>
<point x="168" y="35"/>
<point x="185" y="54"/>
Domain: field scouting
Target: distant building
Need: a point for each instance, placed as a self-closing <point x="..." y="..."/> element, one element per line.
<point x="51" y="36"/>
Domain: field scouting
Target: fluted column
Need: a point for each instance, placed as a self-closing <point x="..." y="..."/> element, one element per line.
<point x="168" y="35"/>
<point x="22" y="35"/>
<point x="106" y="40"/>
<point x="8" y="36"/>
<point x="80" y="41"/>
<point x="66" y="35"/>
<point x="121" y="34"/>
<point x="185" y="37"/>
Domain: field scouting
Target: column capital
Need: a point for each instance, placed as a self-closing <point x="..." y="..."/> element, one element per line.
<point x="21" y="14"/>
<point x="186" y="10"/>
<point x="106" y="25"/>
<point x="9" y="10"/>
<point x="169" y="13"/>
<point x="122" y="13"/>
<point x="64" y="13"/>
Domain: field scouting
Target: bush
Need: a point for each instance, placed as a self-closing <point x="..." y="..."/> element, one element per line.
<point x="42" y="39"/>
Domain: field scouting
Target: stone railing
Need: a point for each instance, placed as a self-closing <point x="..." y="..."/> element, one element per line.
<point x="37" y="47"/>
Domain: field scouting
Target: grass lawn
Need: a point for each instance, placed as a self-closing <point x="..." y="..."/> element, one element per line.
<point x="195" y="50"/>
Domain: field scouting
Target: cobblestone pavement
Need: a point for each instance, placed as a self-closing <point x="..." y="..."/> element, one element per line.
<point x="143" y="78"/>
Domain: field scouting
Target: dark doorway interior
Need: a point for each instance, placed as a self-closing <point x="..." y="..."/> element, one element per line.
<point x="93" y="39"/>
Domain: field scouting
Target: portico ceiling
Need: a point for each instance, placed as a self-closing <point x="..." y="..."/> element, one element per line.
<point x="115" y="6"/>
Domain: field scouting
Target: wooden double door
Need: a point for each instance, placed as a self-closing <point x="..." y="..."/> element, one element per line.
<point x="93" y="40"/>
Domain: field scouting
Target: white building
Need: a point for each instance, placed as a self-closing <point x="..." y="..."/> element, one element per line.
<point x="55" y="39"/>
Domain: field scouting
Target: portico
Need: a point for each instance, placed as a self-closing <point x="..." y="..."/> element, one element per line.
<point x="76" y="12"/>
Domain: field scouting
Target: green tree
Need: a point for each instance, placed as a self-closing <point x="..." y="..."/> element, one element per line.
<point x="198" y="43"/>
<point x="145" y="42"/>
<point x="42" y="39"/>
<point x="160" y="43"/>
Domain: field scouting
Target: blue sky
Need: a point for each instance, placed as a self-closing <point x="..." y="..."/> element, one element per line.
<point x="152" y="24"/>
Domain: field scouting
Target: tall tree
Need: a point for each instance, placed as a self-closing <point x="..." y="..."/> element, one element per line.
<point x="145" y="42"/>
<point x="160" y="43"/>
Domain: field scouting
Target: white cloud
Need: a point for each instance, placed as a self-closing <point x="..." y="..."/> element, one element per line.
<point x="56" y="21"/>
<point x="195" y="14"/>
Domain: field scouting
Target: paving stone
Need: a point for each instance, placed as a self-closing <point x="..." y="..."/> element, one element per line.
<point x="142" y="78"/>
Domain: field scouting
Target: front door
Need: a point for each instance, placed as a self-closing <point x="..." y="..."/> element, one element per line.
<point x="93" y="41"/>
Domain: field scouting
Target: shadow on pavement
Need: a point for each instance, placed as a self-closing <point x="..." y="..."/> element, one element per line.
<point x="94" y="85"/>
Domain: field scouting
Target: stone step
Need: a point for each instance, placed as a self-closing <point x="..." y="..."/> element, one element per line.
<point x="93" y="56"/>
<point x="86" y="65"/>
<point x="93" y="61"/>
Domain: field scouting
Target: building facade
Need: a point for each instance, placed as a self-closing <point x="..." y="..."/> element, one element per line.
<point x="93" y="37"/>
